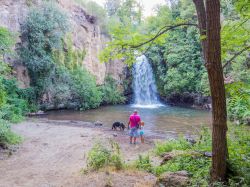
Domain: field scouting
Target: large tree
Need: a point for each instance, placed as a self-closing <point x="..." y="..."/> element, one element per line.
<point x="209" y="25"/>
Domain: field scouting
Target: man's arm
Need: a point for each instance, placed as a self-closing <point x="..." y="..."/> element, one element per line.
<point x="128" y="124"/>
<point x="139" y="122"/>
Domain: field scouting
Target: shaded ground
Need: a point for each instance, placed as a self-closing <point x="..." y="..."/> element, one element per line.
<point x="54" y="152"/>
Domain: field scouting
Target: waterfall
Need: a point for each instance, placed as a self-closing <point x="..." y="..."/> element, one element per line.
<point x="144" y="87"/>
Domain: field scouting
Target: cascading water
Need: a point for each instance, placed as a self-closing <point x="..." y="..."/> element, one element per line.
<point x="145" y="90"/>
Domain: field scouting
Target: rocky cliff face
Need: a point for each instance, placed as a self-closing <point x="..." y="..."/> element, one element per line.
<point x="86" y="35"/>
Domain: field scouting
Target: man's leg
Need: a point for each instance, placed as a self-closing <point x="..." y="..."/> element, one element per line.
<point x="134" y="140"/>
<point x="131" y="139"/>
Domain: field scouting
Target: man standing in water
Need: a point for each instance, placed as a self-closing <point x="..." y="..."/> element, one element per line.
<point x="134" y="124"/>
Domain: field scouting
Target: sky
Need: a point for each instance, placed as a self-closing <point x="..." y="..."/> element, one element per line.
<point x="148" y="5"/>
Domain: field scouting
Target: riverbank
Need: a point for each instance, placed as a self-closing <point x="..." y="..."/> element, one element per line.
<point x="54" y="152"/>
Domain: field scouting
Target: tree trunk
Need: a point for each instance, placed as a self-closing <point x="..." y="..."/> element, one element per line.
<point x="217" y="88"/>
<point x="201" y="14"/>
<point x="209" y="23"/>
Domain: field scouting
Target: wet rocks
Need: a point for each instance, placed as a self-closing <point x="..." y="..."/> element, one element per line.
<point x="38" y="113"/>
<point x="173" y="179"/>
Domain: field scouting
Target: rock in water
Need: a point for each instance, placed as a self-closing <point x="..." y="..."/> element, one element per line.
<point x="191" y="141"/>
<point x="98" y="123"/>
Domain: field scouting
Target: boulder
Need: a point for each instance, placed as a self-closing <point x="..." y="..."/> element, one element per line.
<point x="173" y="179"/>
<point x="166" y="157"/>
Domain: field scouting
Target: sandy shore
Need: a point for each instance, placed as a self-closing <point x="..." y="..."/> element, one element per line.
<point x="54" y="152"/>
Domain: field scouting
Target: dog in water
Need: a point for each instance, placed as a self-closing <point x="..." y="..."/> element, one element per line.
<point x="119" y="125"/>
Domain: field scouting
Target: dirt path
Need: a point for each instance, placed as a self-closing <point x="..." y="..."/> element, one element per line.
<point x="53" y="154"/>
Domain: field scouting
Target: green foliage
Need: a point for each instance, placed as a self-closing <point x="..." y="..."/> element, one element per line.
<point x="6" y="135"/>
<point x="54" y="65"/>
<point x="100" y="156"/>
<point x="71" y="58"/>
<point x="239" y="157"/>
<point x="188" y="157"/>
<point x="42" y="32"/>
<point x="168" y="146"/>
<point x="198" y="168"/>
<point x="177" y="63"/>
<point x="14" y="107"/>
<point x="84" y="86"/>
<point x="110" y="92"/>
<point x="144" y="163"/>
<point x="238" y="103"/>
<point x="6" y="41"/>
<point x="72" y="89"/>
<point x="126" y="11"/>
<point x="235" y="37"/>
<point x="175" y="55"/>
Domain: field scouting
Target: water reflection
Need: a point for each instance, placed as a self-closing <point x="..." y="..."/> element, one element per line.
<point x="161" y="120"/>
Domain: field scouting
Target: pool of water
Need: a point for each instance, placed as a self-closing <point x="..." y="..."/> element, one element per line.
<point x="161" y="120"/>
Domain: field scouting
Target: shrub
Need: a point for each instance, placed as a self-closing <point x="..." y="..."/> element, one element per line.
<point x="238" y="102"/>
<point x="85" y="89"/>
<point x="110" y="92"/>
<point x="101" y="156"/>
<point x="144" y="163"/>
<point x="98" y="157"/>
<point x="6" y="135"/>
<point x="14" y="107"/>
<point x="168" y="146"/>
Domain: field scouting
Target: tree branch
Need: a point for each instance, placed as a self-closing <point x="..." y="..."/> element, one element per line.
<point x="160" y="32"/>
<point x="237" y="54"/>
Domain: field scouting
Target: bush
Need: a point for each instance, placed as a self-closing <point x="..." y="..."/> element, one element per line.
<point x="239" y="155"/>
<point x="168" y="146"/>
<point x="6" y="135"/>
<point x="14" y="107"/>
<point x="85" y="89"/>
<point x="101" y="156"/>
<point x="42" y="32"/>
<point x="238" y="102"/>
<point x="110" y="92"/>
<point x="144" y="163"/>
